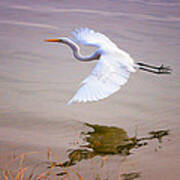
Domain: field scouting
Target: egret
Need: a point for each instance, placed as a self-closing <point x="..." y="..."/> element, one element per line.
<point x="112" y="69"/>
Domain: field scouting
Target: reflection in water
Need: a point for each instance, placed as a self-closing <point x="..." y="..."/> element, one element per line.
<point x="104" y="140"/>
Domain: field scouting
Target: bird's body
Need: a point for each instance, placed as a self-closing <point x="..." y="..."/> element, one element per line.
<point x="111" y="71"/>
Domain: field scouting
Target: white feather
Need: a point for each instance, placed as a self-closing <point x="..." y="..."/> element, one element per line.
<point x="111" y="72"/>
<point x="103" y="81"/>
<point x="88" y="37"/>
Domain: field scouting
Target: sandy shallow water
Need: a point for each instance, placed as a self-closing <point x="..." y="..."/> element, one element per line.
<point x="37" y="79"/>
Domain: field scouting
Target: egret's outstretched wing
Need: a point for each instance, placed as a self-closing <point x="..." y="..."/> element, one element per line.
<point x="89" y="37"/>
<point x="106" y="78"/>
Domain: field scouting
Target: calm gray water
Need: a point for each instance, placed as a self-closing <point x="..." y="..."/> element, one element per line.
<point x="37" y="79"/>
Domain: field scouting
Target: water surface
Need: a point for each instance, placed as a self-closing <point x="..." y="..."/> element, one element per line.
<point x="37" y="79"/>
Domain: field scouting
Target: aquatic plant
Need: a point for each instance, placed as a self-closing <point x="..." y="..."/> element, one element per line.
<point x="101" y="141"/>
<point x="105" y="140"/>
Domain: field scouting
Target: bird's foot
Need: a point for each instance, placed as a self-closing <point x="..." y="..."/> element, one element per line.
<point x="164" y="69"/>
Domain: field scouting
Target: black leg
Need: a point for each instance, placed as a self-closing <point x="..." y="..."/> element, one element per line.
<point x="154" y="69"/>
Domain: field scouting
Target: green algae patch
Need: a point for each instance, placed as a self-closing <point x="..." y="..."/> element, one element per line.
<point x="109" y="140"/>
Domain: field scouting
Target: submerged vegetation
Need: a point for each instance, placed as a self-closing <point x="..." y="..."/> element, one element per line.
<point x="100" y="141"/>
<point x="104" y="140"/>
<point x="130" y="176"/>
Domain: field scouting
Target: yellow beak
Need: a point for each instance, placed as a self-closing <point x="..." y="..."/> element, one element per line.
<point x="52" y="40"/>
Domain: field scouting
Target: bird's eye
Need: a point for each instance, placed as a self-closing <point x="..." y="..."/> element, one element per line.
<point x="61" y="40"/>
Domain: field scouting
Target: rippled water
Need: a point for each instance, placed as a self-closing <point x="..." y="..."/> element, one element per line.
<point x="38" y="79"/>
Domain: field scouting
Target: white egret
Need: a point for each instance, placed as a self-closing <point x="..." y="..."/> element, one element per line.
<point x="113" y="67"/>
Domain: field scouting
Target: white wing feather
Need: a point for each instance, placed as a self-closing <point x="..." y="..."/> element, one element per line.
<point x="111" y="72"/>
<point x="105" y="79"/>
<point x="89" y="37"/>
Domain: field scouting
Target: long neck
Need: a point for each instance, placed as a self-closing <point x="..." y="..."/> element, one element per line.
<point x="76" y="51"/>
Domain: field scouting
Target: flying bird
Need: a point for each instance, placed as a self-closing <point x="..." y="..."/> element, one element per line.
<point x="113" y="67"/>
